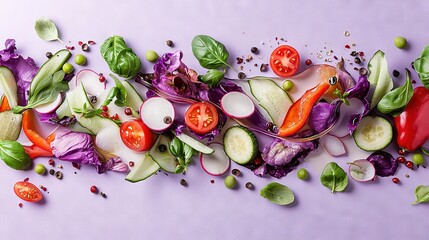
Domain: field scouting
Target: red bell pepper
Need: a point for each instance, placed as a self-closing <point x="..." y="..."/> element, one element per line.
<point x="29" y="127"/>
<point x="34" y="151"/>
<point x="412" y="124"/>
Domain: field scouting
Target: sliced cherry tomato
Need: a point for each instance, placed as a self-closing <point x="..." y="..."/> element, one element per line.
<point x="201" y="117"/>
<point x="136" y="135"/>
<point x="27" y="191"/>
<point x="284" y="61"/>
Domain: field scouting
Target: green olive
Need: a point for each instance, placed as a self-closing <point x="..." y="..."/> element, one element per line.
<point x="302" y="174"/>
<point x="80" y="59"/>
<point x="418" y="159"/>
<point x="40" y="169"/>
<point x="151" y="56"/>
<point x="230" y="182"/>
<point x="68" y="68"/>
<point x="287" y="85"/>
<point x="400" y="42"/>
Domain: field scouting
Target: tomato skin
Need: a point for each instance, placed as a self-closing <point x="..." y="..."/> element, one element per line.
<point x="284" y="61"/>
<point x="201" y="117"/>
<point x="136" y="135"/>
<point x="27" y="191"/>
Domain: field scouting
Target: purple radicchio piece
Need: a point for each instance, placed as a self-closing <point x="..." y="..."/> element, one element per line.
<point x="359" y="91"/>
<point x="114" y="163"/>
<point x="324" y="115"/>
<point x="282" y="156"/>
<point x="173" y="77"/>
<point x="24" y="69"/>
<point x="384" y="163"/>
<point x="75" y="147"/>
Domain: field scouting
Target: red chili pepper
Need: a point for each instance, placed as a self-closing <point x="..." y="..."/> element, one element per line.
<point x="29" y="127"/>
<point x="34" y="151"/>
<point x="411" y="125"/>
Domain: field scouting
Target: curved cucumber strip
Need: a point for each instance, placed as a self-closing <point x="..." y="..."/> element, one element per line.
<point x="195" y="144"/>
<point x="134" y="99"/>
<point x="271" y="98"/>
<point x="373" y="133"/>
<point x="54" y="64"/>
<point x="8" y="86"/>
<point x="165" y="160"/>
<point x="145" y="168"/>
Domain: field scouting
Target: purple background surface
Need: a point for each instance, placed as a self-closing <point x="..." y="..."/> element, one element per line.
<point x="159" y="208"/>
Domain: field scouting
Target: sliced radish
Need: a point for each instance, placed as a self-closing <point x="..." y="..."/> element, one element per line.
<point x="341" y="129"/>
<point x="237" y="105"/>
<point x="157" y="113"/>
<point x="91" y="82"/>
<point x="362" y="170"/>
<point x="334" y="146"/>
<point x="50" y="107"/>
<point x="217" y="163"/>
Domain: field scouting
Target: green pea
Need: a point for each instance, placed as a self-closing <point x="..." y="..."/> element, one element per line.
<point x="40" y="169"/>
<point x="151" y="56"/>
<point x="418" y="159"/>
<point x="287" y="85"/>
<point x="79" y="59"/>
<point x="68" y="68"/>
<point x="400" y="42"/>
<point x="302" y="174"/>
<point x="230" y="182"/>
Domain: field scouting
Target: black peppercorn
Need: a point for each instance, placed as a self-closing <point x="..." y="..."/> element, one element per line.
<point x="353" y="53"/>
<point x="183" y="182"/>
<point x="241" y="75"/>
<point x="58" y="174"/>
<point x="357" y="60"/>
<point x="85" y="47"/>
<point x="254" y="50"/>
<point x="249" y="185"/>
<point x="264" y="67"/>
<point x="93" y="99"/>
<point x="236" y="172"/>
<point x="395" y="73"/>
<point x="48" y="54"/>
<point x="169" y="43"/>
<point x="52" y="171"/>
<point x="162" y="148"/>
<point x="363" y="71"/>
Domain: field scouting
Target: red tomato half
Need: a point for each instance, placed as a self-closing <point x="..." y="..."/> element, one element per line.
<point x="136" y="135"/>
<point x="201" y="117"/>
<point x="27" y="192"/>
<point x="284" y="61"/>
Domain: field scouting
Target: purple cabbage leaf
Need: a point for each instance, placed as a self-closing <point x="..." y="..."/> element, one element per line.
<point x="384" y="163"/>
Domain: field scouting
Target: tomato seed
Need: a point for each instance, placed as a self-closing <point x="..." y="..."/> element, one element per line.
<point x="212" y="181"/>
<point x="169" y="43"/>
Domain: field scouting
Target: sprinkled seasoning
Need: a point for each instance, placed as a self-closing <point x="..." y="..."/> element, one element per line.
<point x="162" y="148"/>
<point x="169" y="43"/>
<point x="239" y="60"/>
<point x="20" y="205"/>
<point x="395" y="73"/>
<point x="103" y="194"/>
<point x="167" y="120"/>
<point x="407" y="175"/>
<point x="183" y="182"/>
<point x="241" y="75"/>
<point x="85" y="47"/>
<point x="43" y="188"/>
<point x="308" y="62"/>
<point x="48" y="54"/>
<point x="93" y="189"/>
<point x="249" y="185"/>
<point x="264" y="67"/>
<point x="395" y="180"/>
<point x="60" y="166"/>
<point x="363" y="71"/>
<point x="346" y="33"/>
<point x="51" y="162"/>
<point x="26" y="179"/>
<point x="93" y="99"/>
<point x="70" y="47"/>
<point x="254" y="50"/>
<point x="357" y="60"/>
<point x="131" y="163"/>
<point x="59" y="175"/>
<point x="347" y="46"/>
<point x="101" y="78"/>
<point x="90" y="42"/>
<point x="80" y="43"/>
<point x="52" y="171"/>
<point x="212" y="181"/>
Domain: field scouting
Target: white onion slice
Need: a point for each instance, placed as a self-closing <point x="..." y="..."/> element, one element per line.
<point x="333" y="145"/>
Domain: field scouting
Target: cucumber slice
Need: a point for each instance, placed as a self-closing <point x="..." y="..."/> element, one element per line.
<point x="8" y="86"/>
<point x="240" y="144"/>
<point x="373" y="133"/>
<point x="11" y="125"/>
<point x="54" y="64"/>
<point x="64" y="110"/>
<point x="134" y="99"/>
<point x="271" y="98"/>
<point x="145" y="168"/>
<point x="165" y="160"/>
<point x="195" y="144"/>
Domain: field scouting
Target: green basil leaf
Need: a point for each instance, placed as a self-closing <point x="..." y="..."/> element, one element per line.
<point x="421" y="65"/>
<point x="210" y="53"/>
<point x="213" y="77"/>
<point x="334" y="177"/>
<point x="179" y="169"/>
<point x="422" y="194"/>
<point x="14" y="155"/>
<point x="188" y="152"/>
<point x="46" y="29"/>
<point x="396" y="100"/>
<point x="176" y="147"/>
<point x="58" y="76"/>
<point x="277" y="193"/>
<point x="120" y="58"/>
<point x="42" y="84"/>
<point x="111" y="95"/>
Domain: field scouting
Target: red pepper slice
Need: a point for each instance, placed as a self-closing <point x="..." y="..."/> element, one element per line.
<point x="28" y="125"/>
<point x="411" y="125"/>
<point x="4" y="106"/>
<point x="34" y="151"/>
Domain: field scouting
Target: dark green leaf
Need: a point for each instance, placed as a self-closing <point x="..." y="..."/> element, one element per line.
<point x="14" y="155"/>
<point x="422" y="194"/>
<point x="120" y="58"/>
<point x="188" y="152"/>
<point x="213" y="77"/>
<point x="179" y="169"/>
<point x="334" y="177"/>
<point x="176" y="147"/>
<point x="110" y="96"/>
<point x="396" y="100"/>
<point x="42" y="84"/>
<point x="277" y="193"/>
<point x="58" y="76"/>
<point x="210" y="53"/>
<point x="421" y="65"/>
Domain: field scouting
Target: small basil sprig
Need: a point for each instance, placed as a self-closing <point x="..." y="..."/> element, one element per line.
<point x="118" y="92"/>
<point x="422" y="194"/>
<point x="14" y="155"/>
<point x="277" y="193"/>
<point x="88" y="113"/>
<point x="183" y="152"/>
<point x="396" y="100"/>
<point x="334" y="177"/>
<point x="47" y="30"/>
<point x="46" y="91"/>
<point x="211" y="55"/>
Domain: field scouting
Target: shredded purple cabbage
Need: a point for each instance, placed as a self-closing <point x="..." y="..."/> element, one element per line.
<point x="281" y="157"/>
<point x="359" y="91"/>
<point x="24" y="69"/>
<point x="113" y="164"/>
<point x="384" y="163"/>
<point x="323" y="115"/>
